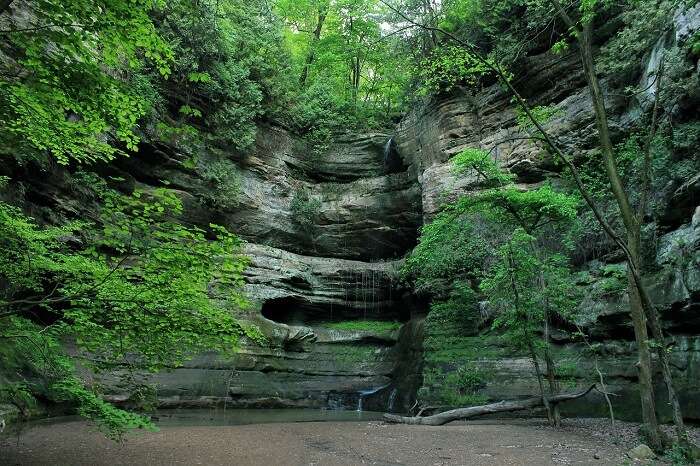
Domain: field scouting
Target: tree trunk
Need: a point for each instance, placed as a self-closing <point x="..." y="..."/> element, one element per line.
<point x="474" y="411"/>
<point x="646" y="303"/>
<point x="540" y="383"/>
<point x="641" y="308"/>
<point x="322" y="12"/>
<point x="551" y="378"/>
<point x="640" y="304"/>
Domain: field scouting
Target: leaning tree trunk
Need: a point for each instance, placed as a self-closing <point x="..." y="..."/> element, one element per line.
<point x="647" y="305"/>
<point x="322" y="12"/>
<point x="474" y="411"/>
<point x="641" y="307"/>
<point x="640" y="304"/>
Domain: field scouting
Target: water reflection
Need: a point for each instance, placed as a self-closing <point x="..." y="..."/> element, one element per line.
<point x="233" y="417"/>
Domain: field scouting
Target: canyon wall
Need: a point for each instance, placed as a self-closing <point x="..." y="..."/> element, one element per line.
<point x="370" y="194"/>
<point x="487" y="119"/>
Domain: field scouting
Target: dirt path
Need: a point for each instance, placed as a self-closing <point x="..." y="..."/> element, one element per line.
<point x="316" y="443"/>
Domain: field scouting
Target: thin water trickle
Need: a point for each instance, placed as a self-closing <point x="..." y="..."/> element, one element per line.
<point x="387" y="151"/>
<point x="365" y="393"/>
<point x="392" y="400"/>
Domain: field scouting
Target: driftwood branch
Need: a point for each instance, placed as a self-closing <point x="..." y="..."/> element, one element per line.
<point x="474" y="411"/>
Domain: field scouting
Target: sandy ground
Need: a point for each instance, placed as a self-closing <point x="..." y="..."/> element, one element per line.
<point x="510" y="442"/>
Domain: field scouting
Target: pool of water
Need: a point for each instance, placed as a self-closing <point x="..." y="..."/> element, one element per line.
<point x="233" y="417"/>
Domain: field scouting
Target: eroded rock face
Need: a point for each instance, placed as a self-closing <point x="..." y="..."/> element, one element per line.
<point x="431" y="135"/>
<point x="373" y="195"/>
<point x="320" y="286"/>
<point x="364" y="213"/>
<point x="340" y="268"/>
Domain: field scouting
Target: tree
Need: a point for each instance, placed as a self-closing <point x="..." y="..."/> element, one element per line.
<point x="530" y="287"/>
<point x="530" y="281"/>
<point x="71" y="79"/>
<point x="136" y="290"/>
<point x="641" y="306"/>
<point x="642" y="309"/>
<point x="352" y="68"/>
<point x="527" y="281"/>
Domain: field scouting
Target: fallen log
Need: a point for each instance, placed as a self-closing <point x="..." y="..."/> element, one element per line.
<point x="474" y="411"/>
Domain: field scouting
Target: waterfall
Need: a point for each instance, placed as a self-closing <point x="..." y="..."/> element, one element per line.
<point x="685" y="23"/>
<point x="365" y="393"/>
<point x="392" y="160"/>
<point x="387" y="151"/>
<point x="392" y="400"/>
<point x="648" y="82"/>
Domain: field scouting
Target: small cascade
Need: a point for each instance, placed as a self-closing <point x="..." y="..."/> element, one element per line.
<point x="392" y="160"/>
<point x="648" y="82"/>
<point x="392" y="400"/>
<point x="387" y="151"/>
<point x="365" y="393"/>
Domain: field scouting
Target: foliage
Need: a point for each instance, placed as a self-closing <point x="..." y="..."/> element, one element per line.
<point x="530" y="210"/>
<point x="375" y="326"/>
<point x="504" y="202"/>
<point x="350" y="73"/>
<point x="136" y="291"/>
<point x="448" y="247"/>
<point x="72" y="80"/>
<point x="224" y="183"/>
<point x="679" y="455"/>
<point x="305" y="210"/>
<point x="450" y="375"/>
<point x="526" y="282"/>
<point x="454" y="388"/>
<point x="477" y="163"/>
<point x="458" y="313"/>
<point x="542" y="115"/>
<point x="449" y="66"/>
<point x="229" y="67"/>
<point x="614" y="279"/>
<point x="53" y="377"/>
<point x="466" y="379"/>
<point x="527" y="288"/>
<point x="643" y="24"/>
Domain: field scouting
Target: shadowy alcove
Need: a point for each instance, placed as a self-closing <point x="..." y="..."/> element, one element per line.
<point x="393" y="162"/>
<point x="299" y="311"/>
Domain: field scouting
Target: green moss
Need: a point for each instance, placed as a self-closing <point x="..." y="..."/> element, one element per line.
<point x="453" y="388"/>
<point x="348" y="352"/>
<point x="460" y="350"/>
<point x="376" y="326"/>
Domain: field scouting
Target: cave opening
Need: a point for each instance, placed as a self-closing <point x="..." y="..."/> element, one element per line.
<point x="293" y="310"/>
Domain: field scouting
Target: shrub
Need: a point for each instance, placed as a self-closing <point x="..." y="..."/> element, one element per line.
<point x="305" y="210"/>
<point x="224" y="182"/>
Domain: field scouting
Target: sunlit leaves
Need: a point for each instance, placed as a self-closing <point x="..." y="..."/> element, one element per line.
<point x="449" y="66"/>
<point x="137" y="290"/>
<point x="478" y="163"/>
<point x="525" y="286"/>
<point x="69" y="89"/>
